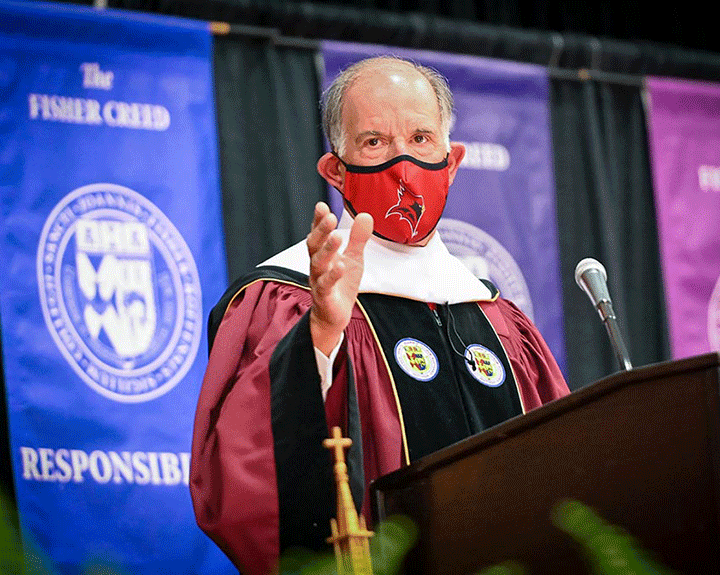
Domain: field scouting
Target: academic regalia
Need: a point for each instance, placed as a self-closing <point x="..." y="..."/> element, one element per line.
<point x="431" y="356"/>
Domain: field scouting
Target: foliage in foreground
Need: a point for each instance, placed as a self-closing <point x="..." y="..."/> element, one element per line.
<point x="608" y="549"/>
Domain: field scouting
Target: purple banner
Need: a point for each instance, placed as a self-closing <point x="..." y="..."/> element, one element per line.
<point x="500" y="217"/>
<point x="684" y="130"/>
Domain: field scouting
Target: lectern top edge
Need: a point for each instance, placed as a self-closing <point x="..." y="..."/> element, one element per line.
<point x="548" y="411"/>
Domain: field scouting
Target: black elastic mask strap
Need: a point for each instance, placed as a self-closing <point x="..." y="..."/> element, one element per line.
<point x="334" y="153"/>
<point x="391" y="162"/>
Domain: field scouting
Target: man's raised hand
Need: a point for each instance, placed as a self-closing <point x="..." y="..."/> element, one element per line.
<point x="334" y="276"/>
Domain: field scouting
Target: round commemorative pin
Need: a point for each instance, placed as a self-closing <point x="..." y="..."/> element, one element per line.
<point x="484" y="365"/>
<point x="416" y="359"/>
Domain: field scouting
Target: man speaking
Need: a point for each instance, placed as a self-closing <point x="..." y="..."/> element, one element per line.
<point x="369" y="324"/>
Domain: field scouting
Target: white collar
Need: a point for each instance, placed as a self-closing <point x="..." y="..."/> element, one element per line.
<point x="429" y="273"/>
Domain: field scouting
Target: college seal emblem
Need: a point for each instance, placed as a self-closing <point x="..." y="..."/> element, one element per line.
<point x="487" y="259"/>
<point x="484" y="365"/>
<point x="416" y="359"/>
<point x="120" y="292"/>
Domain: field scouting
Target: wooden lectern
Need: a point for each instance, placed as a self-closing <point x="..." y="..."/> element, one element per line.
<point x="641" y="447"/>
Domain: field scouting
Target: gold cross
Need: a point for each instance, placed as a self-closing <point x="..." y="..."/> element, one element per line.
<point x="338" y="443"/>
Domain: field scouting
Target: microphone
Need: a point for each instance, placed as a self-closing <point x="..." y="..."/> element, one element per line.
<point x="591" y="277"/>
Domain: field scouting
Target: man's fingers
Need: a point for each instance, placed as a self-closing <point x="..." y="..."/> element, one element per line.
<point x="320" y="231"/>
<point x="325" y="282"/>
<point x="321" y="209"/>
<point x="321" y="258"/>
<point x="359" y="235"/>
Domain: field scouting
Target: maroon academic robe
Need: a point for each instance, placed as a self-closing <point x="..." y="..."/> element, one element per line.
<point x="258" y="476"/>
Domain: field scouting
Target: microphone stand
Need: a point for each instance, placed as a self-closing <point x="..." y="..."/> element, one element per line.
<point x="607" y="314"/>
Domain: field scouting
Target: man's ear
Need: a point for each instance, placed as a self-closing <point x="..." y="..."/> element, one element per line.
<point x="330" y="167"/>
<point x="456" y="155"/>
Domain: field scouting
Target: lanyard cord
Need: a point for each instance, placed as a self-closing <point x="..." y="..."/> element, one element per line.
<point x="451" y="323"/>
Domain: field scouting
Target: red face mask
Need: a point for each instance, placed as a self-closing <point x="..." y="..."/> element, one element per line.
<point x="405" y="196"/>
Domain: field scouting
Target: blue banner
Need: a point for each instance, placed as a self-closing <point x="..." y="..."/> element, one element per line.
<point x="500" y="217"/>
<point x="110" y="200"/>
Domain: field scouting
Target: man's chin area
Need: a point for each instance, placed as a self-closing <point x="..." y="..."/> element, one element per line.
<point x="424" y="241"/>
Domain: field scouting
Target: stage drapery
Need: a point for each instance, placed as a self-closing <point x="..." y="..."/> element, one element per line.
<point x="606" y="211"/>
<point x="268" y="127"/>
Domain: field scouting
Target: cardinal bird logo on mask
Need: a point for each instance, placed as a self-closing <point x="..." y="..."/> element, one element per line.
<point x="410" y="207"/>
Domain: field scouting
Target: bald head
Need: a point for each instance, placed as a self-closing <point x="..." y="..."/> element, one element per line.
<point x="384" y="76"/>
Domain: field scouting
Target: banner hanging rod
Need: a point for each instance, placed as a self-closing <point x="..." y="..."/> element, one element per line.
<point x="275" y="36"/>
<point x="585" y="74"/>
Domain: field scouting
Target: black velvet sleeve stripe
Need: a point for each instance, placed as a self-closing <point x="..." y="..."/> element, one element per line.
<point x="306" y="487"/>
<point x="260" y="273"/>
<point x="355" y="463"/>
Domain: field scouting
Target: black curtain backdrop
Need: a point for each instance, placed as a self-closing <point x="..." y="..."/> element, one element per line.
<point x="578" y="35"/>
<point x="269" y="140"/>
<point x="605" y="210"/>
